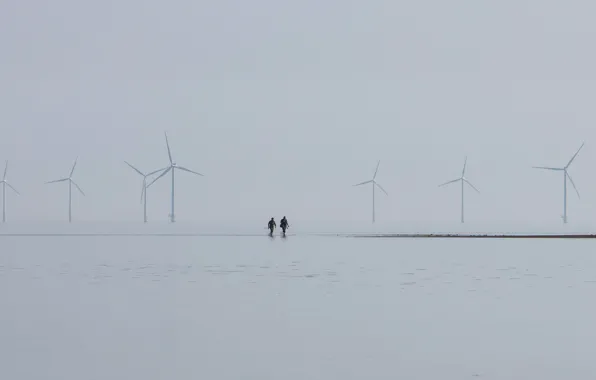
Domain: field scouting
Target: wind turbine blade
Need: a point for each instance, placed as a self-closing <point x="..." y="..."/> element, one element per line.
<point x="77" y="186"/>
<point x="464" y="169"/>
<point x="377" y="169"/>
<point x="73" y="167"/>
<point x="188" y="170"/>
<point x="570" y="179"/>
<point x="448" y="182"/>
<point x="161" y="175"/>
<point x="573" y="158"/>
<point x="473" y="187"/>
<point x="135" y="169"/>
<point x="5" y="169"/>
<point x="155" y="171"/>
<point x="380" y="187"/>
<point x="546" y="168"/>
<point x="168" y="145"/>
<point x="13" y="189"/>
<point x="58" y="180"/>
<point x="363" y="183"/>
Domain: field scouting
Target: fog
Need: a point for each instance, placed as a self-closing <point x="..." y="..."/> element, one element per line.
<point x="283" y="106"/>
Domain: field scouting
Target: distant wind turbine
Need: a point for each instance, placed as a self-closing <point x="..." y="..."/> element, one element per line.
<point x="374" y="184"/>
<point x="463" y="180"/>
<point x="172" y="167"/>
<point x="144" y="189"/>
<point x="4" y="184"/>
<point x="565" y="176"/>
<point x="70" y="183"/>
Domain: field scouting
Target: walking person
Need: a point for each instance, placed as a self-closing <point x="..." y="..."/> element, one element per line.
<point x="271" y="225"/>
<point x="284" y="224"/>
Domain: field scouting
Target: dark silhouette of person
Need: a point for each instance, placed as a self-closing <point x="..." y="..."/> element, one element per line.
<point x="271" y="225"/>
<point x="284" y="224"/>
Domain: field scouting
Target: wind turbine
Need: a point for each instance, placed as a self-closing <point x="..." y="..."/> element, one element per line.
<point x="565" y="176"/>
<point x="374" y="184"/>
<point x="70" y="183"/>
<point x="144" y="189"/>
<point x="463" y="180"/>
<point x="4" y="184"/>
<point x="172" y="168"/>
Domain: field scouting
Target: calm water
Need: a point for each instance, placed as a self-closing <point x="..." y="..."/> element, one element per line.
<point x="301" y="308"/>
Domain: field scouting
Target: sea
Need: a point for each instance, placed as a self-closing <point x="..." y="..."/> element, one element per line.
<point x="140" y="303"/>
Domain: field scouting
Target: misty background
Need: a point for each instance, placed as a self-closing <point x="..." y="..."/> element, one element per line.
<point x="283" y="106"/>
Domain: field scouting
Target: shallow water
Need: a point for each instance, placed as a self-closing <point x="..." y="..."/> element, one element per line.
<point x="304" y="307"/>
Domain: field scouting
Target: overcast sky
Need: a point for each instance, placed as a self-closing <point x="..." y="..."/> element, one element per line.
<point x="284" y="105"/>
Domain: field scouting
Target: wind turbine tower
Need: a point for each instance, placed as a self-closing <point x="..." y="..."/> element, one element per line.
<point x="463" y="181"/>
<point x="70" y="183"/>
<point x="172" y="168"/>
<point x="374" y="184"/>
<point x="565" y="176"/>
<point x="144" y="189"/>
<point x="4" y="184"/>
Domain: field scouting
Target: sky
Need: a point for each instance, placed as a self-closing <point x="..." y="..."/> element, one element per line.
<point x="283" y="106"/>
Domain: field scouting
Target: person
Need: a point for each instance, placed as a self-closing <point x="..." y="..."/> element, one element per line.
<point x="272" y="225"/>
<point x="284" y="224"/>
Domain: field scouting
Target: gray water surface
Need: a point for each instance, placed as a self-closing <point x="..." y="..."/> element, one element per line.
<point x="304" y="307"/>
